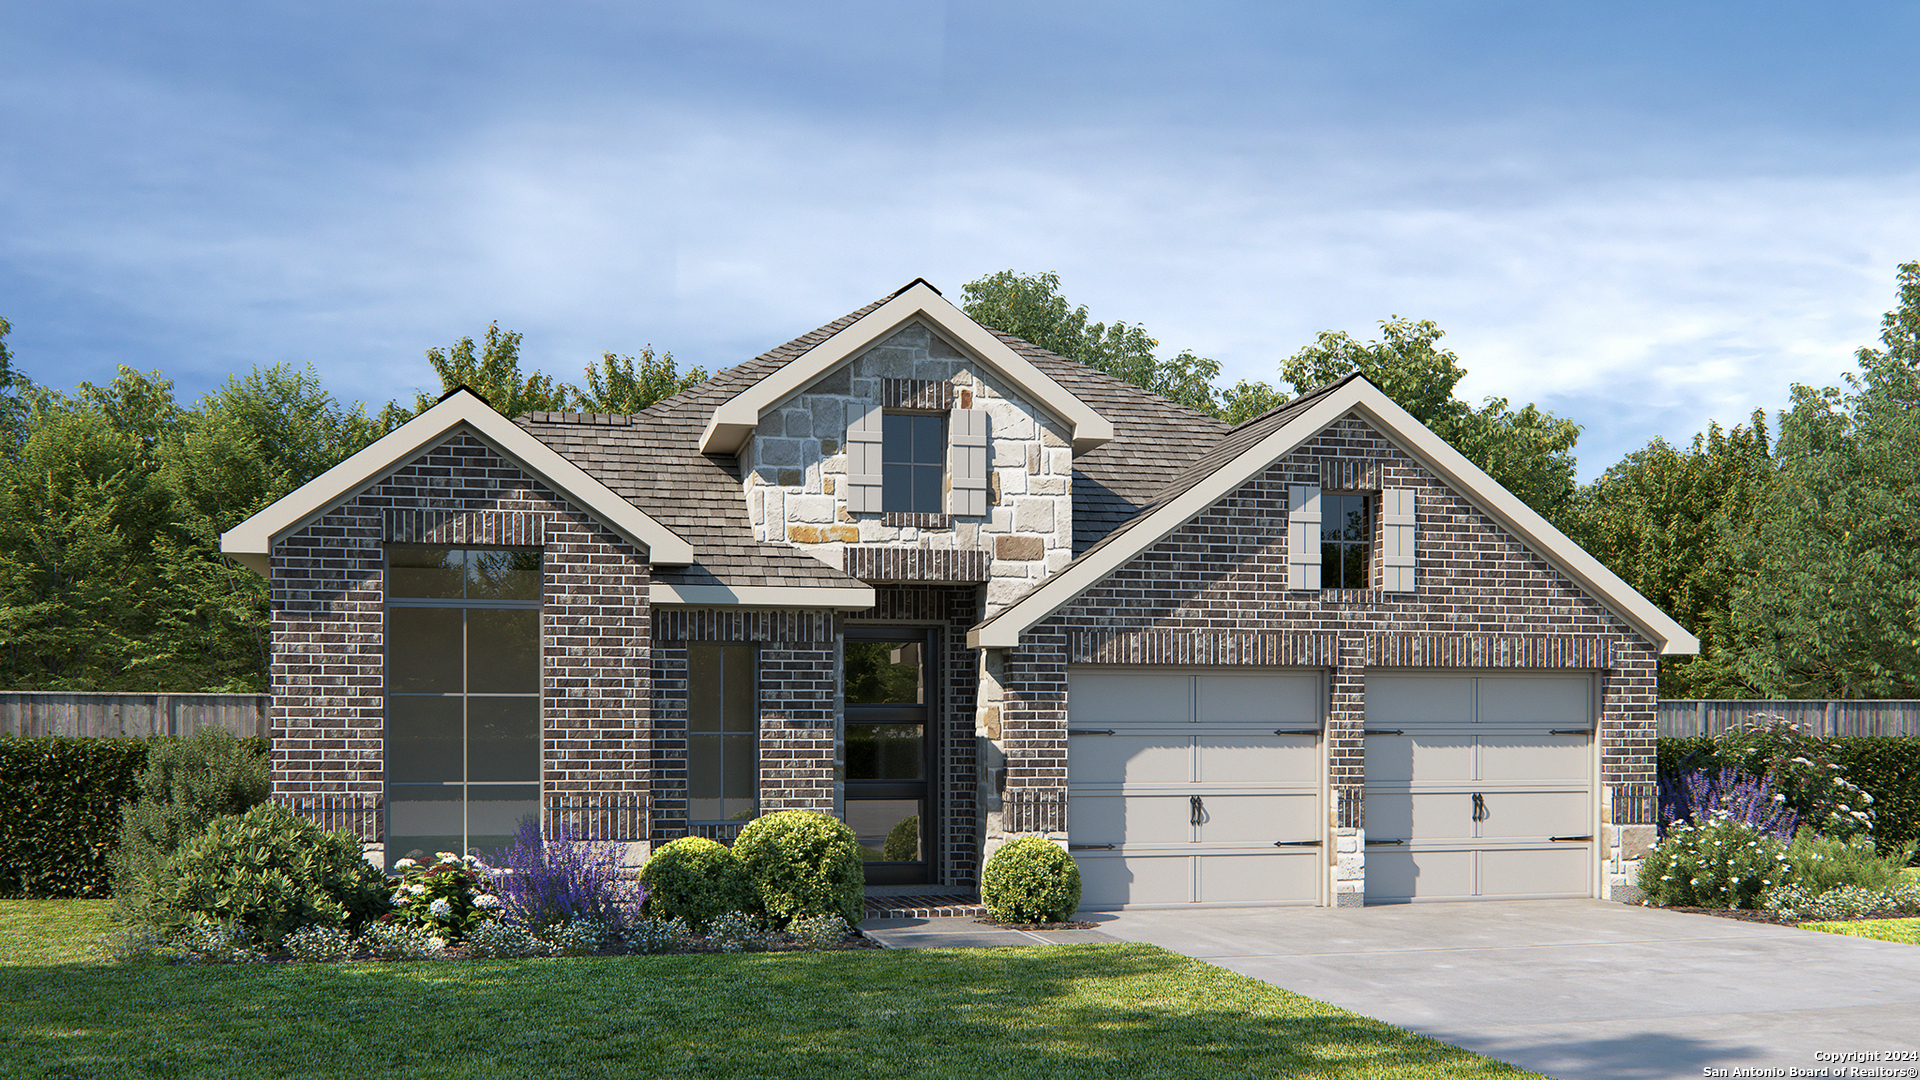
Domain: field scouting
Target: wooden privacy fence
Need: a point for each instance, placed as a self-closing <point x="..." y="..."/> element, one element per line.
<point x="136" y="716"/>
<point x="1680" y="719"/>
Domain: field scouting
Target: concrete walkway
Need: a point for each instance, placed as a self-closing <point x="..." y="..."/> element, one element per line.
<point x="1577" y="989"/>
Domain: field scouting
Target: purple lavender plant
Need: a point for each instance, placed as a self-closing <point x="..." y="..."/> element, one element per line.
<point x="555" y="879"/>
<point x="1696" y="795"/>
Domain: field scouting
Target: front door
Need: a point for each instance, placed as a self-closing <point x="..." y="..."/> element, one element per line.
<point x="890" y="681"/>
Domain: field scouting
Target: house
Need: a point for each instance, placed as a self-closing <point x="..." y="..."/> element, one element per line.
<point x="952" y="588"/>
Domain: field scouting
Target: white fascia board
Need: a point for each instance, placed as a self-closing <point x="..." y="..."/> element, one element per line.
<point x="734" y="421"/>
<point x="250" y="543"/>
<point x="839" y="597"/>
<point x="1412" y="436"/>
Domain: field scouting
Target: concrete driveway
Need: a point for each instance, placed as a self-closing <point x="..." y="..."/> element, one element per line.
<point x="1578" y="989"/>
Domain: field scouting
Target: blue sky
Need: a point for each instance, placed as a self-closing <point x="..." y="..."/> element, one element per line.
<point x="1641" y="216"/>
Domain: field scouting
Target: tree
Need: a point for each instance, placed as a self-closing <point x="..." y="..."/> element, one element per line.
<point x="1528" y="450"/>
<point x="14" y="388"/>
<point x="1030" y="306"/>
<point x="618" y="386"/>
<point x="493" y="372"/>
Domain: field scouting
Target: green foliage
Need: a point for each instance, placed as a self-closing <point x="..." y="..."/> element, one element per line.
<point x="494" y="373"/>
<point x="14" y="389"/>
<point x="903" y="840"/>
<point x="618" y="386"/>
<point x="1030" y="880"/>
<point x="270" y="873"/>
<point x="1030" y="306"/>
<point x="1819" y="863"/>
<point x="447" y="896"/>
<point x="1797" y="765"/>
<point x="1888" y="769"/>
<point x="696" y="880"/>
<point x="1666" y="520"/>
<point x="60" y="812"/>
<point x="185" y="785"/>
<point x="1528" y="450"/>
<point x="1717" y="863"/>
<point x="802" y="863"/>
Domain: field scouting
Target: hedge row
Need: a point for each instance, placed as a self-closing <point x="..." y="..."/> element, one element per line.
<point x="1885" y="767"/>
<point x="60" y="811"/>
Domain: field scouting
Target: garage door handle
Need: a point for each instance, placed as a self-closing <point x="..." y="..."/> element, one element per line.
<point x="1089" y="847"/>
<point x="1571" y="731"/>
<point x="1382" y="731"/>
<point x="1089" y="731"/>
<point x="1569" y="839"/>
<point x="1198" y="810"/>
<point x="1298" y="731"/>
<point x="1370" y="843"/>
<point x="1296" y="843"/>
<point x="1479" y="807"/>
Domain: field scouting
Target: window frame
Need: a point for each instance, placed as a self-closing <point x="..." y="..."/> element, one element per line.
<point x="729" y="677"/>
<point x="1333" y="505"/>
<point x="888" y="491"/>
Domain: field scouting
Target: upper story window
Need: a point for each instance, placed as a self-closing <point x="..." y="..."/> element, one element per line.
<point x="913" y="463"/>
<point x="1346" y="541"/>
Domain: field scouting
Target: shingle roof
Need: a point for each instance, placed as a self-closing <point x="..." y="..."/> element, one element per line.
<point x="653" y="459"/>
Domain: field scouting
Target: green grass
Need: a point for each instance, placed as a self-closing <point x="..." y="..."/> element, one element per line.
<point x="1901" y="930"/>
<point x="1124" y="1011"/>
<point x="50" y="931"/>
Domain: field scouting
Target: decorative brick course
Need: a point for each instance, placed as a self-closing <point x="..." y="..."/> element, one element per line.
<point x="917" y="564"/>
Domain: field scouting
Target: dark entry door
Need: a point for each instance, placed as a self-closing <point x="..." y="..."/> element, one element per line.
<point x="890" y="688"/>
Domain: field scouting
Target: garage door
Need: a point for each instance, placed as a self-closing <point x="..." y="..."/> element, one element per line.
<point x="1195" y="788"/>
<point x="1479" y="787"/>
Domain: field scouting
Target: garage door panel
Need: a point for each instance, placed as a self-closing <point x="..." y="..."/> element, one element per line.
<point x="1257" y="759"/>
<point x="1398" y="875"/>
<point x="1558" y="871"/>
<point x="1393" y="700"/>
<point x="1258" y="819"/>
<point x="1240" y="879"/>
<point x="1125" y="758"/>
<point x="1109" y="881"/>
<point x="1535" y="758"/>
<point x="1404" y="759"/>
<point x="1267" y="700"/>
<point x="1535" y="815"/>
<point x="1554" y="700"/>
<point x="1130" y="819"/>
<point x="1111" y="698"/>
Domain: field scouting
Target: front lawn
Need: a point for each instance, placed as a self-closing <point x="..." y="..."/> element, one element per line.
<point x="51" y="931"/>
<point x="1902" y="930"/>
<point x="1131" y="1011"/>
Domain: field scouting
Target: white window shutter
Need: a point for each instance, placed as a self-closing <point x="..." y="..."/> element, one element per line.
<point x="967" y="463"/>
<point x="863" y="459"/>
<point x="1303" y="538"/>
<point x="1397" y="535"/>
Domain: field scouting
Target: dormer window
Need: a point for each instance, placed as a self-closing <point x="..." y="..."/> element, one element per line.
<point x="913" y="462"/>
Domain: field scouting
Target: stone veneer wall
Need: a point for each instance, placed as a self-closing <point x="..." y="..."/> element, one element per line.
<point x="953" y="610"/>
<point x="796" y="463"/>
<point x="799" y="705"/>
<point x="1214" y="591"/>
<point x="328" y="598"/>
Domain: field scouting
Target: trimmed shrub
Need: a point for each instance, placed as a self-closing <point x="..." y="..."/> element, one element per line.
<point x="268" y="873"/>
<point x="802" y="863"/>
<point x="186" y="784"/>
<point x="1719" y="863"/>
<point x="696" y="880"/>
<point x="553" y="880"/>
<point x="1030" y="880"/>
<point x="60" y="812"/>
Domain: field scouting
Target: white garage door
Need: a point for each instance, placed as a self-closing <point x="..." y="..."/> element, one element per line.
<point x="1479" y="787"/>
<point x="1195" y="788"/>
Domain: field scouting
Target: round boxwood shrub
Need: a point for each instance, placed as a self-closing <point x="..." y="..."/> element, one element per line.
<point x="903" y="841"/>
<point x="1030" y="880"/>
<point x="270" y="873"/>
<point x="695" y="879"/>
<point x="802" y="864"/>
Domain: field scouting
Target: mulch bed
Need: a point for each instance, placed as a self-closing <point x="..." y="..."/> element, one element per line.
<point x="1070" y="924"/>
<point x="1753" y="915"/>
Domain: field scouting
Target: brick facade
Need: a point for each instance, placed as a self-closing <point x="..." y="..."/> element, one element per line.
<point x="329" y="625"/>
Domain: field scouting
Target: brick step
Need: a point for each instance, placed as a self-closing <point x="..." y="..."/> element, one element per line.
<point x="923" y="907"/>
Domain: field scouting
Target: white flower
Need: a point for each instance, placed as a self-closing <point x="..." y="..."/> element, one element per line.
<point x="448" y="856"/>
<point x="417" y="889"/>
<point x="440" y="908"/>
<point x="404" y="863"/>
<point x="397" y="899"/>
<point x="486" y="902"/>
